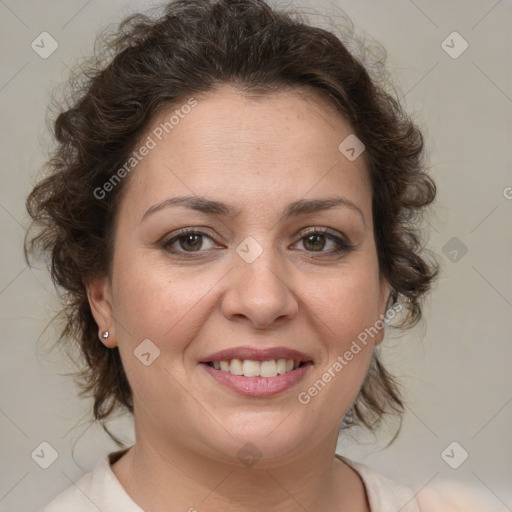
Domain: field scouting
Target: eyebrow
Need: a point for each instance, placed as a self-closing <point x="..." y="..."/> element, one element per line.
<point x="294" y="209"/>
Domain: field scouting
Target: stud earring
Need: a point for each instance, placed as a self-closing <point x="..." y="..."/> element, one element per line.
<point x="105" y="335"/>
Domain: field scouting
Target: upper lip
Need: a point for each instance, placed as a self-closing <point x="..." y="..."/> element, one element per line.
<point x="257" y="354"/>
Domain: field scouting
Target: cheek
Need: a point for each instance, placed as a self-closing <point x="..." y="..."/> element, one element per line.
<point x="154" y="298"/>
<point x="348" y="302"/>
<point x="347" y="312"/>
<point x="167" y="305"/>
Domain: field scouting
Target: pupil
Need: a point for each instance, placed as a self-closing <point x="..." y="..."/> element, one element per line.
<point x="189" y="237"/>
<point x="313" y="237"/>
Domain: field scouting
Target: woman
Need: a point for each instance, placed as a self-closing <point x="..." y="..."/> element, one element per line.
<point x="233" y="212"/>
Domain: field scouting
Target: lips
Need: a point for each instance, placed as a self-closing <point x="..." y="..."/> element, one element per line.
<point x="258" y="372"/>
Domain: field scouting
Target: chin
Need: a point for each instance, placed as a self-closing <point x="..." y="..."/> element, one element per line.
<point x="263" y="447"/>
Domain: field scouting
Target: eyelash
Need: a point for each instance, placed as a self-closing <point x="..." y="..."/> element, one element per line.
<point x="342" y="246"/>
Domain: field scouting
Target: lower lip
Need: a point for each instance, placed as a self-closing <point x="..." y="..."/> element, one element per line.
<point x="258" y="386"/>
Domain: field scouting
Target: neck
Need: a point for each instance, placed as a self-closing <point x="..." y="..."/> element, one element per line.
<point x="173" y="477"/>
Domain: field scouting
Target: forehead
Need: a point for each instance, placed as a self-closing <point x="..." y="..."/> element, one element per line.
<point x="270" y="149"/>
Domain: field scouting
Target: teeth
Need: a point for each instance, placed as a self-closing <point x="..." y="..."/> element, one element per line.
<point x="281" y="366"/>
<point x="236" y="367"/>
<point x="268" y="368"/>
<point x="250" y="368"/>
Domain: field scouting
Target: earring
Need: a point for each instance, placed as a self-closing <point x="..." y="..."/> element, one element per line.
<point x="105" y="335"/>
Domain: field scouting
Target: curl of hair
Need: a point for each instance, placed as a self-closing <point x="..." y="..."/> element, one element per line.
<point x="194" y="46"/>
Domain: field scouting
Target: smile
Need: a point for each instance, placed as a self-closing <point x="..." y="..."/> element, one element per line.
<point x="251" y="368"/>
<point x="258" y="379"/>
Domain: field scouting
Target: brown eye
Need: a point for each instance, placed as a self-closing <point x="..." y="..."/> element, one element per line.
<point x="315" y="241"/>
<point x="194" y="240"/>
<point x="189" y="241"/>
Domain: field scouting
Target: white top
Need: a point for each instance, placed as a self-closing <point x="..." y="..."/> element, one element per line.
<point x="101" y="490"/>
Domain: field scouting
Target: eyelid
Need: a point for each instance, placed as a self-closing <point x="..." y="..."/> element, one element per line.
<point x="322" y="230"/>
<point x="343" y="245"/>
<point x="342" y="242"/>
<point x="175" y="235"/>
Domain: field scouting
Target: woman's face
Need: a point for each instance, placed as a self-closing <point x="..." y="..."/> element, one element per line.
<point x="258" y="280"/>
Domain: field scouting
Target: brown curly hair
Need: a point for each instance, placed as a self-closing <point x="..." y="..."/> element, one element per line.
<point x="152" y="63"/>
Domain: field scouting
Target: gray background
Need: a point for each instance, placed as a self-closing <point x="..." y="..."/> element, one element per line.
<point x="456" y="367"/>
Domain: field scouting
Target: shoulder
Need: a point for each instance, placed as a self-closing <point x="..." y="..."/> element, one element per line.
<point x="97" y="490"/>
<point x="384" y="494"/>
<point x="455" y="496"/>
<point x="76" y="496"/>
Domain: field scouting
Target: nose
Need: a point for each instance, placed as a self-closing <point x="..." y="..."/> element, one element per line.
<point x="259" y="292"/>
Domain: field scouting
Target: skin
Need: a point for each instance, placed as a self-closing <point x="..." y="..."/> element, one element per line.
<point x="258" y="156"/>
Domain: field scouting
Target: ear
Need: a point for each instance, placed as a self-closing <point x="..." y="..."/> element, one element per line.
<point x="384" y="295"/>
<point x="99" y="294"/>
